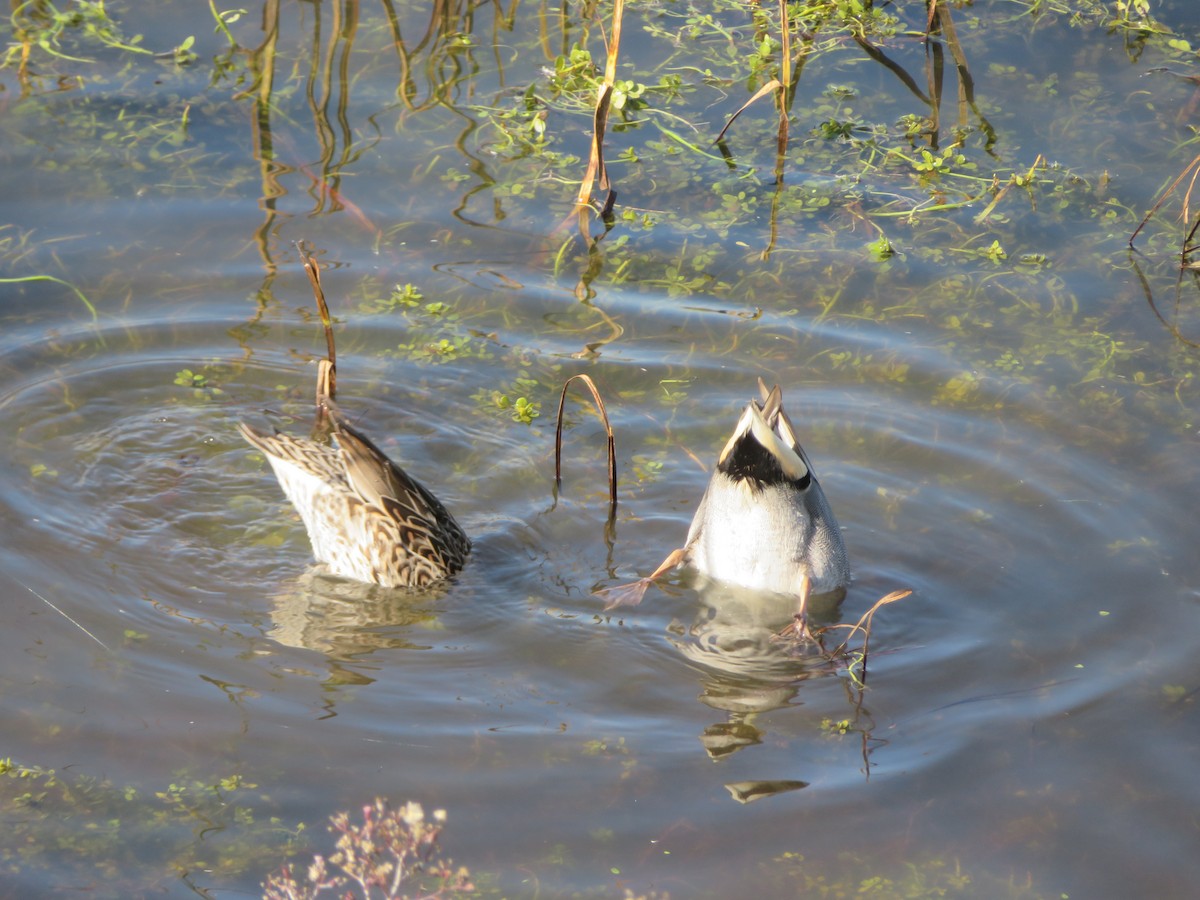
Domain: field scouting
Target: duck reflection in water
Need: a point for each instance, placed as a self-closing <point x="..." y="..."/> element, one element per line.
<point x="748" y="670"/>
<point x="346" y="620"/>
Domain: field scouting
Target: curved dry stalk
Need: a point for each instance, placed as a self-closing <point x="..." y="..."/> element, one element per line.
<point x="799" y="632"/>
<point x="864" y="624"/>
<point x="769" y="88"/>
<point x="612" y="443"/>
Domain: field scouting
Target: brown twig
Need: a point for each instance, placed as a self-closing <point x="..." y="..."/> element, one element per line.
<point x="770" y="87"/>
<point x="864" y="625"/>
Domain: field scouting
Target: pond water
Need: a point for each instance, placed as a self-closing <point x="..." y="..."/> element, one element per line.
<point x="1000" y="400"/>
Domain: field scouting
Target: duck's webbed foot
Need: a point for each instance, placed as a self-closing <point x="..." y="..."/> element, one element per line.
<point x="623" y="594"/>
<point x="799" y="629"/>
<point x="631" y="594"/>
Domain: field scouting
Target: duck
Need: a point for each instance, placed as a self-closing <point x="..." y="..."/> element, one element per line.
<point x="764" y="523"/>
<point x="367" y="519"/>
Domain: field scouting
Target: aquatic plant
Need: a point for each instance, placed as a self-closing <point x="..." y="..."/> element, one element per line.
<point x="42" y="25"/>
<point x="393" y="851"/>
<point x="105" y="827"/>
<point x="66" y="828"/>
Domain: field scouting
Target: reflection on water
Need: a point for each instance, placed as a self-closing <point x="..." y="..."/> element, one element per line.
<point x="736" y="632"/>
<point x="748" y="672"/>
<point x="341" y="618"/>
<point x="749" y="791"/>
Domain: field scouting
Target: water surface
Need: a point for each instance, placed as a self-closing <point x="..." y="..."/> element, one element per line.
<point x="1012" y="437"/>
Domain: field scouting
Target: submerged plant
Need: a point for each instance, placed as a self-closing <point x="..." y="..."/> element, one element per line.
<point x="40" y="27"/>
<point x="202" y="387"/>
<point x="68" y="826"/>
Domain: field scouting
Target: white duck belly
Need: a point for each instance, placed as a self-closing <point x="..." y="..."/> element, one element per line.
<point x="767" y="538"/>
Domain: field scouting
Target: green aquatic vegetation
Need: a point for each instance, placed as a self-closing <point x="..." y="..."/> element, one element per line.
<point x="200" y="383"/>
<point x="442" y="350"/>
<point x="106" y="146"/>
<point x="672" y="393"/>
<point x="444" y="332"/>
<point x="84" y="827"/>
<point x="881" y="248"/>
<point x="993" y="252"/>
<point x="645" y="469"/>
<point x="959" y="390"/>
<point x="1174" y="693"/>
<point x="402" y="297"/>
<point x="41" y="470"/>
<point x="517" y="407"/>
<point x="223" y="19"/>
<point x="574" y="76"/>
<point x="26" y="279"/>
<point x="40" y="24"/>
<point x="46" y="37"/>
<point x="188" y="378"/>
<point x="839" y="728"/>
<point x="438" y="332"/>
<point x="855" y="874"/>
<point x="18" y="249"/>
<point x="609" y="750"/>
<point x="525" y="410"/>
<point x="937" y="164"/>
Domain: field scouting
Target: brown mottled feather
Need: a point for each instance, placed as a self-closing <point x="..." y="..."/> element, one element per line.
<point x="366" y="518"/>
